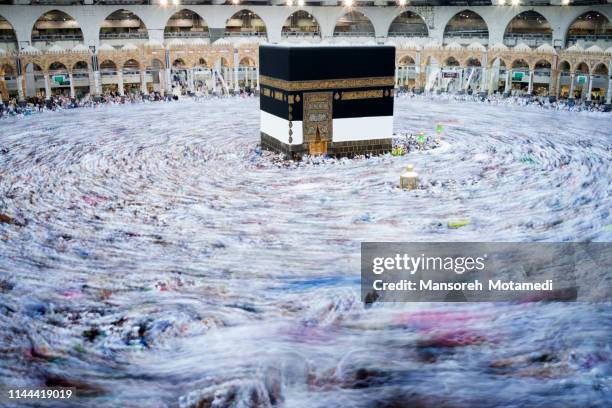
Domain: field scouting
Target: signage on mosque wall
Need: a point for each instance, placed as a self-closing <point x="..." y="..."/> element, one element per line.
<point x="450" y="74"/>
<point x="518" y="76"/>
<point x="581" y="79"/>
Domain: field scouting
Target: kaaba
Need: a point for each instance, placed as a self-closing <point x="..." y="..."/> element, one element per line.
<point x="335" y="100"/>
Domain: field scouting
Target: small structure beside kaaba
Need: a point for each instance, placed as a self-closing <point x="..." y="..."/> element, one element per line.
<point x="335" y="100"/>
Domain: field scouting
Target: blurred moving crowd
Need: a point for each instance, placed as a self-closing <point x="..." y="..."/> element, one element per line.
<point x="37" y="105"/>
<point x="542" y="102"/>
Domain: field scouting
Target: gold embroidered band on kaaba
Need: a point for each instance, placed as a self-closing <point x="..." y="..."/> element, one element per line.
<point x="320" y="84"/>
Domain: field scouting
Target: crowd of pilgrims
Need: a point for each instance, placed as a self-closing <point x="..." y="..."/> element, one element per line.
<point x="35" y="105"/>
<point x="514" y="99"/>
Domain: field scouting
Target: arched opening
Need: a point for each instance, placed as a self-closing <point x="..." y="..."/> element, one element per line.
<point x="8" y="38"/>
<point x="35" y="81"/>
<point x="451" y="62"/>
<point x="408" y="24"/>
<point x="186" y="24"/>
<point x="466" y="27"/>
<point x="178" y="64"/>
<point x="8" y="81"/>
<point x="581" y="81"/>
<point x="80" y="76"/>
<point x="472" y="74"/>
<point x="542" y="77"/>
<point x="56" y="67"/>
<point x="433" y="73"/>
<point x="497" y="76"/>
<point x="122" y="27"/>
<point x="406" y="72"/>
<point x="131" y="77"/>
<point x="245" y="23"/>
<point x="354" y="23"/>
<point x="519" y="81"/>
<point x="179" y="77"/>
<point x="59" y="80"/>
<point x="528" y="27"/>
<point x="202" y="75"/>
<point x="247" y="73"/>
<point x="56" y="27"/>
<point x="473" y="62"/>
<point x="599" y="86"/>
<point x="7" y="70"/>
<point x="564" y="79"/>
<point x="301" y="24"/>
<point x="224" y="77"/>
<point x="589" y="29"/>
<point x="155" y="77"/>
<point x="108" y="73"/>
<point x="451" y="75"/>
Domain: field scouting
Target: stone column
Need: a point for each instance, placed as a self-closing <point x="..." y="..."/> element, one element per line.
<point x="227" y="77"/>
<point x="418" y="81"/>
<point x="92" y="82"/>
<point x="589" y="88"/>
<point x="72" y="93"/>
<point x="484" y="79"/>
<point x="168" y="80"/>
<point x="571" y="89"/>
<point x="47" y="87"/>
<point x="20" y="87"/>
<point x="508" y="84"/>
<point x="609" y="91"/>
<point x="491" y="81"/>
<point x="553" y="83"/>
<point x="530" y="86"/>
<point x="143" y="81"/>
<point x="120" y="82"/>
<point x="162" y="82"/>
<point x="397" y="68"/>
<point x="484" y="73"/>
<point x="236" y="87"/>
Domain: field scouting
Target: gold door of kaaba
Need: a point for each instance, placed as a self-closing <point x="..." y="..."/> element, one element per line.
<point x="317" y="121"/>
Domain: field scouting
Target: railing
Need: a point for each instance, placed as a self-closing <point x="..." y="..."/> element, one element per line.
<point x="58" y="37"/>
<point x="532" y="40"/>
<point x="8" y="37"/>
<point x="467" y="34"/>
<point x="573" y="39"/>
<point x="129" y="36"/>
<point x="186" y="34"/>
<point x="55" y="2"/>
<point x="119" y="2"/>
<point x="354" y="34"/>
<point x="245" y="33"/>
<point x="80" y="73"/>
<point x="300" y="34"/>
<point x="407" y="34"/>
<point x="541" y="73"/>
<point x="594" y="37"/>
